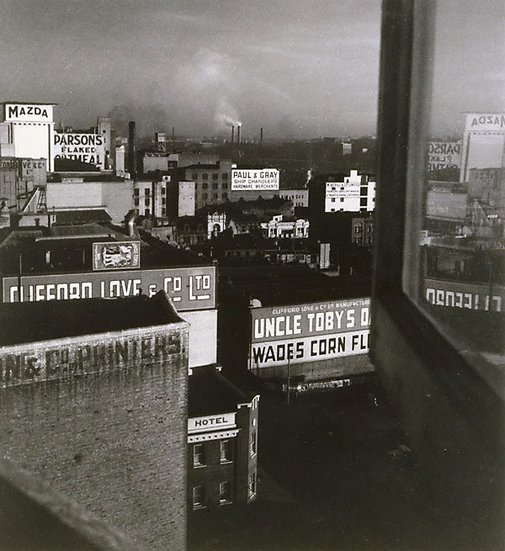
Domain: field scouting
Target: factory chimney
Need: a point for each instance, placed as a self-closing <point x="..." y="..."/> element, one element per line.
<point x="232" y="133"/>
<point x="239" y="126"/>
<point x="261" y="135"/>
<point x="131" y="149"/>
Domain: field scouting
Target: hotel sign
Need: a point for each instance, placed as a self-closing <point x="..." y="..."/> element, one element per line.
<point x="189" y="288"/>
<point x="253" y="180"/>
<point x="115" y="255"/>
<point x="222" y="421"/>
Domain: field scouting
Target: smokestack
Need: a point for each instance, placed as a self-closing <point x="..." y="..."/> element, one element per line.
<point x="131" y="149"/>
<point x="261" y="135"/>
<point x="239" y="126"/>
<point x="232" y="133"/>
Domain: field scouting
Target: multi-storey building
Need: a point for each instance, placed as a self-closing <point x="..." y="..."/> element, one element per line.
<point x="356" y="193"/>
<point x="93" y="399"/>
<point x="212" y="182"/>
<point x="362" y="231"/>
<point x="222" y="441"/>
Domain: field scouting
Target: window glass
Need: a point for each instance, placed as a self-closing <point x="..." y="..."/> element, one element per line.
<point x="224" y="492"/>
<point x="198" y="455"/>
<point x="455" y="268"/>
<point x="198" y="497"/>
<point x="225" y="450"/>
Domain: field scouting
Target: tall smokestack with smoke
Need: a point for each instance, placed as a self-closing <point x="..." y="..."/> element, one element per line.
<point x="239" y="126"/>
<point x="232" y="133"/>
<point x="131" y="149"/>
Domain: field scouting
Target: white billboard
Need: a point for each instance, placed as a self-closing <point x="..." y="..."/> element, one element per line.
<point x="25" y="112"/>
<point x="311" y="332"/>
<point x="485" y="122"/>
<point x="254" y="179"/>
<point x="87" y="148"/>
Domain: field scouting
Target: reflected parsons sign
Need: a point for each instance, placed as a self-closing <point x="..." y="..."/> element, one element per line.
<point x="188" y="288"/>
<point x="309" y="332"/>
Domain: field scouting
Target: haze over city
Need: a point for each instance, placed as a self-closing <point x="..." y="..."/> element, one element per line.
<point x="299" y="69"/>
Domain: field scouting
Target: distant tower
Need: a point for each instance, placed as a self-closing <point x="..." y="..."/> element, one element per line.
<point x="131" y="149"/>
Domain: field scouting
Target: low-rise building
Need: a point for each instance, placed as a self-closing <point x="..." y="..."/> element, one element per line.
<point x="281" y="226"/>
<point x="222" y="441"/>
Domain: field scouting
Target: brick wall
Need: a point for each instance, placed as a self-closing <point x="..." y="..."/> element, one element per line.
<point x="108" y="431"/>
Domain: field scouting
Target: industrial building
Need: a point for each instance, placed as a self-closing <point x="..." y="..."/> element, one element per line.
<point x="293" y="323"/>
<point x="355" y="193"/>
<point x="27" y="131"/>
<point x="41" y="264"/>
<point x="94" y="403"/>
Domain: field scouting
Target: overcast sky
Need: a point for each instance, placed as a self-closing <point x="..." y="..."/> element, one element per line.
<point x="295" y="67"/>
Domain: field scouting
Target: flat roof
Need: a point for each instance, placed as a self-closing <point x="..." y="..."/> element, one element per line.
<point x="210" y="392"/>
<point x="284" y="285"/>
<point x="70" y="247"/>
<point x="28" y="322"/>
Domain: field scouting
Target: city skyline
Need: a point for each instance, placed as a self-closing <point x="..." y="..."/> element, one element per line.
<point x="304" y="72"/>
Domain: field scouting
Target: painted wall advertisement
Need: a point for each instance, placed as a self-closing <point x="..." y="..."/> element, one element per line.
<point x="88" y="354"/>
<point x="87" y="148"/>
<point x="257" y="179"/>
<point x="189" y="288"/>
<point x="454" y="294"/>
<point x="442" y="155"/>
<point x="309" y="332"/>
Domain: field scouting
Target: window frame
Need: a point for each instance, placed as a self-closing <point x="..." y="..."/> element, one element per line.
<point x="430" y="382"/>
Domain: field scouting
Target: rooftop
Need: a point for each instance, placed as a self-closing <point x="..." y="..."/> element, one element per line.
<point x="70" y="249"/>
<point x="282" y="285"/>
<point x="210" y="392"/>
<point x="27" y="322"/>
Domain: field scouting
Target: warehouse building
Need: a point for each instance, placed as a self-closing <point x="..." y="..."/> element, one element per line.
<point x="294" y="324"/>
<point x="118" y="367"/>
<point x="104" y="261"/>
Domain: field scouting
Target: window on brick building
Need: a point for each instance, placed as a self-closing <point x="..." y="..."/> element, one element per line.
<point x="194" y="176"/>
<point x="225" y="451"/>
<point x="215" y="176"/>
<point x="205" y="176"/>
<point x="198" y="455"/>
<point x="136" y="191"/>
<point x="225" y="493"/>
<point x="225" y="195"/>
<point x="198" y="497"/>
<point x="224" y="176"/>
<point x="205" y="185"/>
<point x="214" y="185"/>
